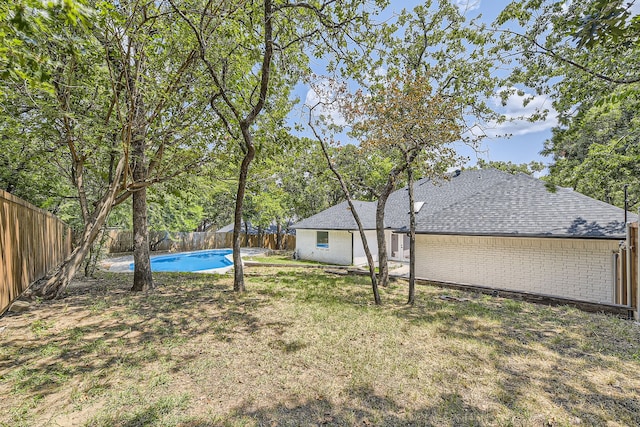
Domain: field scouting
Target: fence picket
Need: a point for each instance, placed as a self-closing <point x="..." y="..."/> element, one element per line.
<point x="32" y="243"/>
<point x="122" y="241"/>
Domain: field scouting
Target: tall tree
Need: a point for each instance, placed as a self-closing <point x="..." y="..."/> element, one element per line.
<point x="24" y="26"/>
<point x="254" y="54"/>
<point x="440" y="49"/>
<point x="434" y="42"/>
<point x="117" y="98"/>
<point x="154" y="72"/>
<point x="584" y="55"/>
<point x="76" y="113"/>
<point x="599" y="151"/>
<point x="325" y="145"/>
<point x="410" y="122"/>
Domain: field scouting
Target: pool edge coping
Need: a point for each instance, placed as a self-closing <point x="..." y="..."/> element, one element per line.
<point x="121" y="264"/>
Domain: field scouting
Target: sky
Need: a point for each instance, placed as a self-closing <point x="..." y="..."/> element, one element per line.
<point x="527" y="138"/>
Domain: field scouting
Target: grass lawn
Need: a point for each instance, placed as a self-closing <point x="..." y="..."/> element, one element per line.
<point x="279" y="259"/>
<point x="302" y="347"/>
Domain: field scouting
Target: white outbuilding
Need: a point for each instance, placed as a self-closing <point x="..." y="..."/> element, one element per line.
<point x="485" y="228"/>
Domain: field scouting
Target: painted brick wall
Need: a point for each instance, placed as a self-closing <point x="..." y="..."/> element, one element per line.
<point x="359" y="257"/>
<point x="338" y="252"/>
<point x="573" y="268"/>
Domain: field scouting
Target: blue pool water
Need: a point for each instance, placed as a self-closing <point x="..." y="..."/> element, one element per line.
<point x="191" y="261"/>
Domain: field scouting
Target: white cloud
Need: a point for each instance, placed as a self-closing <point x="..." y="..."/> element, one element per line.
<point x="380" y="72"/>
<point x="322" y="98"/>
<point x="517" y="115"/>
<point x="519" y="127"/>
<point x="467" y="5"/>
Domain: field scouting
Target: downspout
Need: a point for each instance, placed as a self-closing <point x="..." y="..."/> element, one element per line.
<point x="352" y="248"/>
<point x="628" y="269"/>
<point x="616" y="296"/>
<point x="637" y="315"/>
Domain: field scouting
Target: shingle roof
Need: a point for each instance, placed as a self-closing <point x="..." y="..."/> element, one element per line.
<point x="486" y="202"/>
<point x="339" y="217"/>
<point x="438" y="194"/>
<point x="519" y="205"/>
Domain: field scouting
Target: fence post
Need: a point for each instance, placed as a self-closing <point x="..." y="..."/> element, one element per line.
<point x="637" y="279"/>
<point x="628" y="265"/>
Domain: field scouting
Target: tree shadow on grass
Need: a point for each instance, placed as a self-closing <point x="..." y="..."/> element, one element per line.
<point x="363" y="407"/>
<point x="512" y="329"/>
<point x="514" y="326"/>
<point x="591" y="404"/>
<point x="552" y="349"/>
<point x="104" y="315"/>
<point x="144" y="328"/>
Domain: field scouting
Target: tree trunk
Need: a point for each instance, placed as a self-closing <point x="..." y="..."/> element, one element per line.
<point x="279" y="236"/>
<point x="367" y="251"/>
<point x="412" y="240"/>
<point x="356" y="217"/>
<point x="56" y="284"/>
<point x="238" y="272"/>
<point x="383" y="260"/>
<point x="142" y="276"/>
<point x="95" y="250"/>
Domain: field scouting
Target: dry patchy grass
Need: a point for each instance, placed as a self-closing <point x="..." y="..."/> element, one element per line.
<point x="306" y="348"/>
<point x="284" y="259"/>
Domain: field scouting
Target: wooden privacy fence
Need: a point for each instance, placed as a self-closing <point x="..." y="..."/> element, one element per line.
<point x="626" y="272"/>
<point x="122" y="241"/>
<point x="32" y="243"/>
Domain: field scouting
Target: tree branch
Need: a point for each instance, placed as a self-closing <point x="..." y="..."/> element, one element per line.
<point x="553" y="54"/>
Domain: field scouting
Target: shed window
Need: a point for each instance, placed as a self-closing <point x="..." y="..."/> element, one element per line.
<point x="322" y="239"/>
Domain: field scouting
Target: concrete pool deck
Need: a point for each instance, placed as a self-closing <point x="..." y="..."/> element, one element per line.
<point x="121" y="264"/>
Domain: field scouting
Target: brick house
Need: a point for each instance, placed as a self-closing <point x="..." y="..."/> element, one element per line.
<point x="485" y="228"/>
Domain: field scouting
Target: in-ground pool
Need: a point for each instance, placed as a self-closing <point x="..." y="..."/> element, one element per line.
<point x="216" y="260"/>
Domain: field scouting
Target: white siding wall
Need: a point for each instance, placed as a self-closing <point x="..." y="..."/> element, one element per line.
<point x="359" y="257"/>
<point x="338" y="252"/>
<point x="572" y="268"/>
